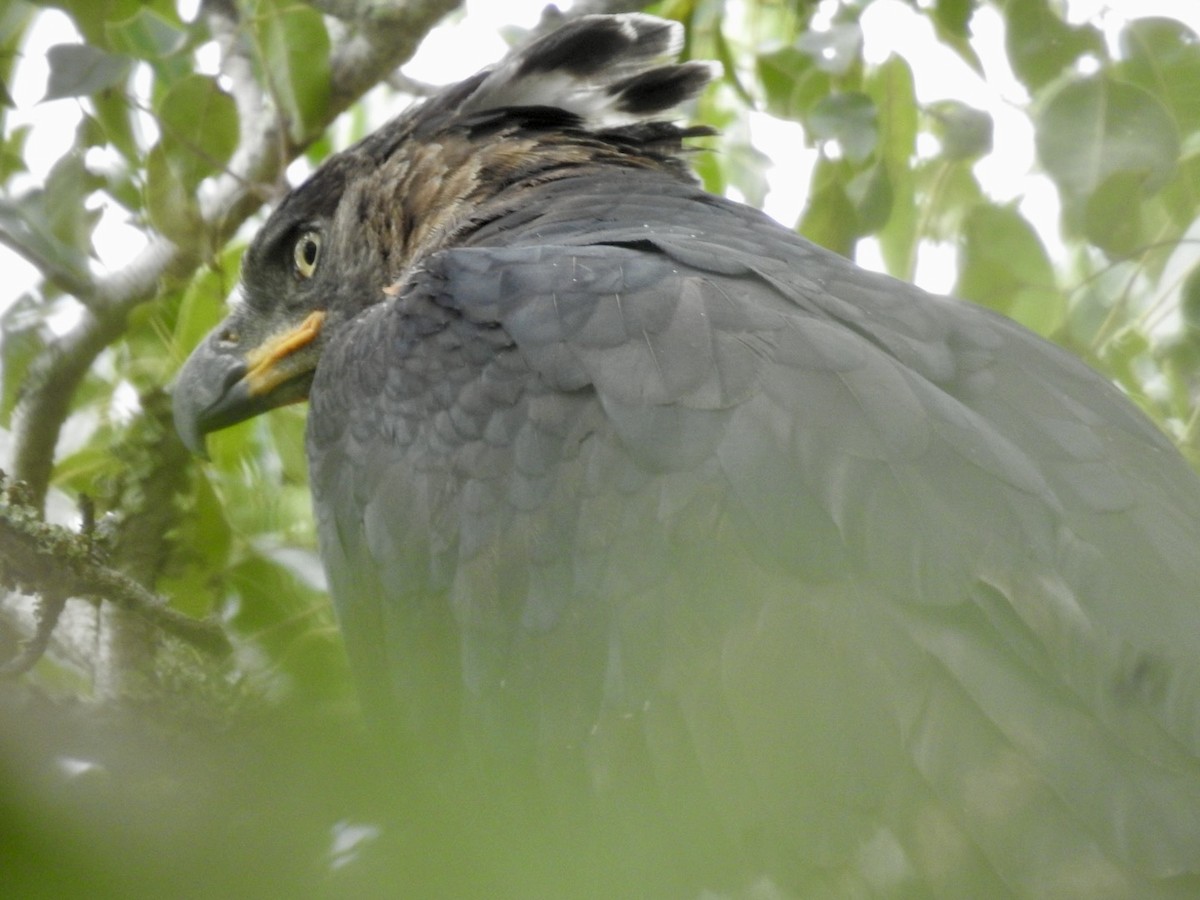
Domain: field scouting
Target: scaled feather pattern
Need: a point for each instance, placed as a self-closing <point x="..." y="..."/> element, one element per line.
<point x="687" y="555"/>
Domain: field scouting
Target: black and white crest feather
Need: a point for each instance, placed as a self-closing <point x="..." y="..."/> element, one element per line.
<point x="607" y="70"/>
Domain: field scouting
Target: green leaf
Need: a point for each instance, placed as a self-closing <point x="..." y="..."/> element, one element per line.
<point x="1181" y="195"/>
<point x="1179" y="359"/>
<point x="1189" y="300"/>
<point x="835" y="50"/>
<point x="79" y="69"/>
<point x="115" y="115"/>
<point x="53" y="223"/>
<point x="871" y="193"/>
<point x="901" y="233"/>
<point x="792" y="82"/>
<point x="15" y="19"/>
<point x="829" y="217"/>
<point x="948" y="192"/>
<point x="92" y="465"/>
<point x="26" y="224"/>
<point x="287" y="427"/>
<point x="170" y="204"/>
<point x="1003" y="265"/>
<point x="119" y="184"/>
<point x="68" y="185"/>
<point x="293" y="51"/>
<point x="1041" y="46"/>
<point x="722" y="108"/>
<point x="1039" y="309"/>
<point x="199" y="124"/>
<point x="268" y="596"/>
<point x="1113" y="215"/>
<point x="965" y="132"/>
<point x="953" y="16"/>
<point x="12" y="152"/>
<point x="23" y="337"/>
<point x="205" y="541"/>
<point x="1095" y="127"/>
<point x="739" y="163"/>
<point x="146" y="35"/>
<point x="1163" y="57"/>
<point x="745" y="168"/>
<point x="291" y="621"/>
<point x="91" y="16"/>
<point x="1122" y="354"/>
<point x="203" y="303"/>
<point x="850" y="119"/>
<point x="890" y="86"/>
<point x="951" y="21"/>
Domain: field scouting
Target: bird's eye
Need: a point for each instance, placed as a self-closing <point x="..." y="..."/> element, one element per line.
<point x="305" y="253"/>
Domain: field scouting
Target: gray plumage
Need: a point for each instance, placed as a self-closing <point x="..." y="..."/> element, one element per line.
<point x="651" y="524"/>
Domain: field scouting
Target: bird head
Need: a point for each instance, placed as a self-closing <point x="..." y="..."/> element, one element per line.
<point x="588" y="94"/>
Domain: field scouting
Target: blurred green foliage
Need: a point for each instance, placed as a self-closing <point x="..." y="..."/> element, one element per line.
<point x="1117" y="131"/>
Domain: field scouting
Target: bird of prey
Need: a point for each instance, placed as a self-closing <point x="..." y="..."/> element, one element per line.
<point x="688" y="556"/>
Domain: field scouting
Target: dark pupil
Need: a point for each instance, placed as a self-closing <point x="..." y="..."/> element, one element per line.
<point x="310" y="251"/>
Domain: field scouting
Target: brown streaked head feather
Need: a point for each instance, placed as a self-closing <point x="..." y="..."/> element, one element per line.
<point x="593" y="93"/>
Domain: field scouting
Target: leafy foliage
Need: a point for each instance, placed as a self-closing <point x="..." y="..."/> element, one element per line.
<point x="1115" y="125"/>
<point x="1116" y="120"/>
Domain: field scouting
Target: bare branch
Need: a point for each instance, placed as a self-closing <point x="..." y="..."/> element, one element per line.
<point x="388" y="34"/>
<point x="402" y="83"/>
<point x="46" y="397"/>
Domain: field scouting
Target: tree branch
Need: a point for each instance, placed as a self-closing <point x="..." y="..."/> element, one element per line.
<point x="359" y="60"/>
<point x="386" y="35"/>
<point x="379" y="37"/>
<point x="55" y="563"/>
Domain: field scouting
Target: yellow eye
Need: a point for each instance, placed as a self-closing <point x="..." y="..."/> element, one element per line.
<point x="305" y="253"/>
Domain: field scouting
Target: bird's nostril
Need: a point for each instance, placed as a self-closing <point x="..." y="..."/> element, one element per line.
<point x="232" y="377"/>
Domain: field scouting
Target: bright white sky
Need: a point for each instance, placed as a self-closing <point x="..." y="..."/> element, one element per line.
<point x="460" y="48"/>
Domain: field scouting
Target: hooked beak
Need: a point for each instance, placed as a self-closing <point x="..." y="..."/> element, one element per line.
<point x="242" y="369"/>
